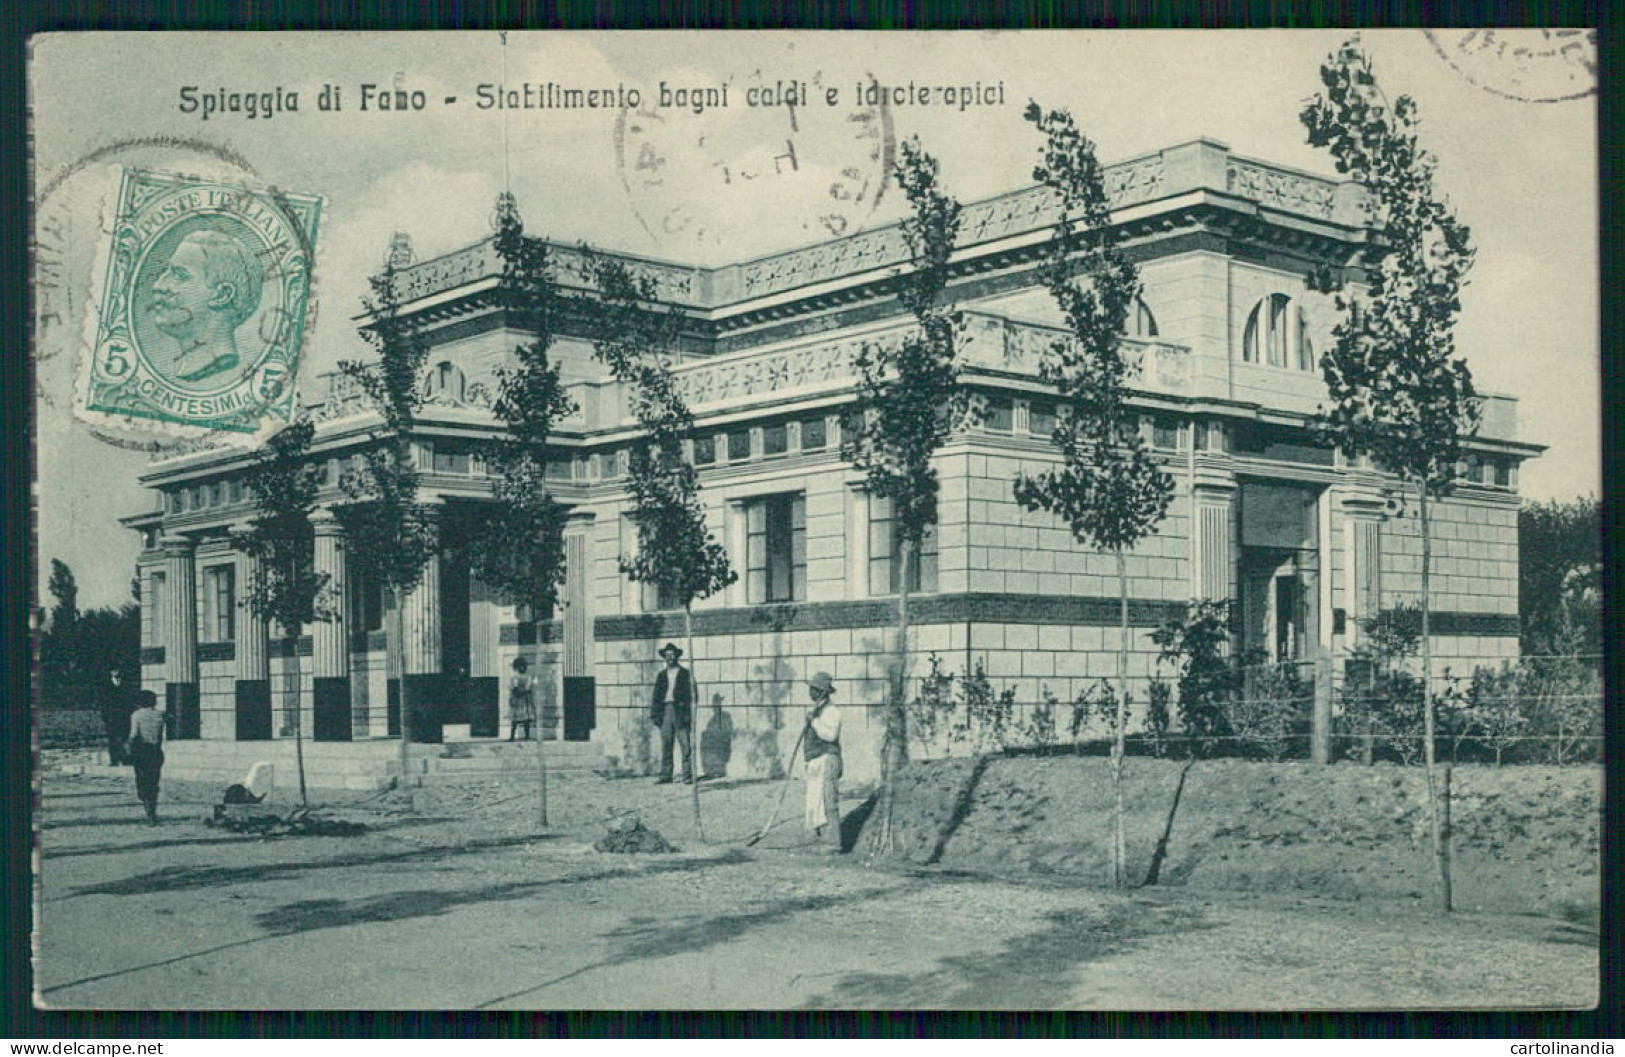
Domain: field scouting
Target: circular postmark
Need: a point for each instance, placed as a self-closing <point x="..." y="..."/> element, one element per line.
<point x="712" y="166"/>
<point x="1529" y="65"/>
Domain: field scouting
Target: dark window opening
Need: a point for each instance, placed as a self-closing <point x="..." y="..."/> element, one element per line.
<point x="776" y="549"/>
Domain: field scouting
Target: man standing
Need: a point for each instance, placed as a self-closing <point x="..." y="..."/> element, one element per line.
<point x="672" y="708"/>
<point x="147" y="751"/>
<point x="822" y="750"/>
<point x="117" y="704"/>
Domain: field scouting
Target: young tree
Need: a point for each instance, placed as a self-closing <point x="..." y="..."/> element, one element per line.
<point x="286" y="589"/>
<point x="520" y="550"/>
<point x="1398" y="393"/>
<point x="62" y="676"/>
<point x="909" y="401"/>
<point x="392" y="536"/>
<point x="1108" y="489"/>
<point x="676" y="552"/>
<point x="64" y="594"/>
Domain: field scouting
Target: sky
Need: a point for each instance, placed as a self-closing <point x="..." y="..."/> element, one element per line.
<point x="1521" y="174"/>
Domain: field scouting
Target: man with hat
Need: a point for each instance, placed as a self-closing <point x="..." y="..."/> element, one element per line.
<point x="822" y="751"/>
<point x="671" y="707"/>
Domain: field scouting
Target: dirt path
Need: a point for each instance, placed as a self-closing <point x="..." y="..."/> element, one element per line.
<point x="439" y="913"/>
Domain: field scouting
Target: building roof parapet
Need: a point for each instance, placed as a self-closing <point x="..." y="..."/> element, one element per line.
<point x="1201" y="165"/>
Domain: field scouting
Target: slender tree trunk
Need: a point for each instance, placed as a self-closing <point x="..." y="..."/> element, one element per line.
<point x="1438" y="809"/>
<point x="1119" y="838"/>
<point x="693" y="718"/>
<point x="536" y="730"/>
<point x="395" y="663"/>
<point x="891" y="746"/>
<point x="292" y="646"/>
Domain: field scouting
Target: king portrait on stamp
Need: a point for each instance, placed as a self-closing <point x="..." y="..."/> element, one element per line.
<point x="201" y="313"/>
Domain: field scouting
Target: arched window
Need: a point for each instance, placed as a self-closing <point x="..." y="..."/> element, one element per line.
<point x="445" y="383"/>
<point x="1144" y="324"/>
<point x="1277" y="334"/>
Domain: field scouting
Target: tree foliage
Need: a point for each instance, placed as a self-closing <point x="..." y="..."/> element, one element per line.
<point x="910" y="397"/>
<point x="638" y="341"/>
<point x="1108" y="489"/>
<point x="1397" y="392"/>
<point x="1559" y="575"/>
<point x="519" y="548"/>
<point x="283" y="480"/>
<point x="391" y="534"/>
<point x="64" y="591"/>
<point x="78" y="648"/>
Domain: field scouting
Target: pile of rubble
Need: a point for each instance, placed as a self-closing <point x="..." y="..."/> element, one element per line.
<point x="300" y="822"/>
<point x="631" y="836"/>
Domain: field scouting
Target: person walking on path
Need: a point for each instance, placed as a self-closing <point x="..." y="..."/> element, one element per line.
<point x="146" y="749"/>
<point x="521" y="699"/>
<point x="671" y="708"/>
<point x="821" y="748"/>
<point x="117" y="704"/>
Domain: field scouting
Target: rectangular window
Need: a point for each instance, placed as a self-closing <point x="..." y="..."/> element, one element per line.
<point x="368" y="598"/>
<point x="1001" y="414"/>
<point x="1503" y="473"/>
<point x="220" y="603"/>
<point x="450" y="459"/>
<point x="776" y="549"/>
<point x="705" y="450"/>
<point x="885" y="551"/>
<point x="236" y="490"/>
<point x="814" y="434"/>
<point x="775" y="439"/>
<point x="177" y="501"/>
<point x="1165" y="433"/>
<point x="156" y="589"/>
<point x="556" y="470"/>
<point x="217" y="493"/>
<point x="1041" y="418"/>
<point x="609" y="465"/>
<point x="739" y="446"/>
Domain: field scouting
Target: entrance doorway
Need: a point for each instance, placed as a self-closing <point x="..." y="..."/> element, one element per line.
<point x="1279" y="570"/>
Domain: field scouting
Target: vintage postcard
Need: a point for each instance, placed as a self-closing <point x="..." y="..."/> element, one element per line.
<point x="817" y="520"/>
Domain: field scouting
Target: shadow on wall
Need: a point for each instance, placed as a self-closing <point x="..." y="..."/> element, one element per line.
<point x="717" y="741"/>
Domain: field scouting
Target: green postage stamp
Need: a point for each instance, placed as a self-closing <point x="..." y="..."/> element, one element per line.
<point x="199" y="316"/>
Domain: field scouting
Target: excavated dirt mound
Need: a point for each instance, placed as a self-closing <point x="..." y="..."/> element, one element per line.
<point x="629" y="836"/>
<point x="1526" y="838"/>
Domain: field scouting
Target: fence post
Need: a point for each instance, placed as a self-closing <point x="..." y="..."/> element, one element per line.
<point x="1320" y="730"/>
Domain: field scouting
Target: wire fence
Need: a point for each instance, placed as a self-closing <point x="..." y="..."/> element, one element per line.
<point x="1495" y="710"/>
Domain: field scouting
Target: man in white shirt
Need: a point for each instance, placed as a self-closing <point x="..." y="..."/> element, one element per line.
<point x="146" y="751"/>
<point x="822" y="750"/>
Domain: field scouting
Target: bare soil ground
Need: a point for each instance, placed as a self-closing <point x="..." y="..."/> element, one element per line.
<point x="1526" y="839"/>
<point x="463" y="904"/>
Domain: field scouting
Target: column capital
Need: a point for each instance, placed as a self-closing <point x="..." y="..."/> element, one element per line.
<point x="177" y="546"/>
<point x="1212" y="483"/>
<point x="327" y="523"/>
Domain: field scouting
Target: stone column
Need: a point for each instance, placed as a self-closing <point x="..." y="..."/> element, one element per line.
<point x="579" y="689"/>
<point x="149" y="566"/>
<point x="180" y="637"/>
<point x="420" y="654"/>
<point x="253" y="684"/>
<point x="1362" y="536"/>
<point x="1213" y="546"/>
<point x="329" y="646"/>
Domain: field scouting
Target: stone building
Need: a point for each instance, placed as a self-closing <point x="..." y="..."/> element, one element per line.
<point x="1226" y="337"/>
